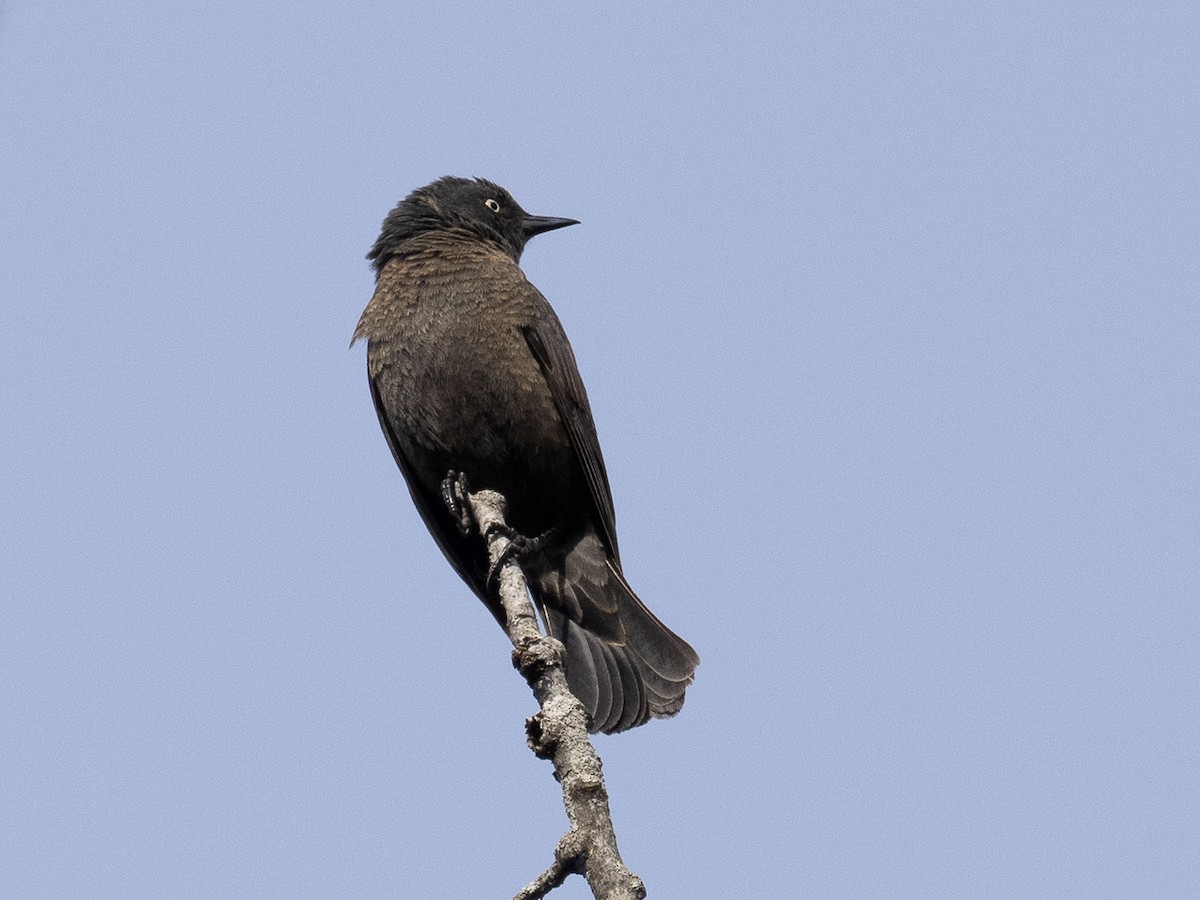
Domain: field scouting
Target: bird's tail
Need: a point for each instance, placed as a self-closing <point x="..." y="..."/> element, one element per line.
<point x="622" y="662"/>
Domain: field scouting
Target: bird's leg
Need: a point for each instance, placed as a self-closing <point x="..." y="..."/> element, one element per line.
<point x="454" y="495"/>
<point x="518" y="546"/>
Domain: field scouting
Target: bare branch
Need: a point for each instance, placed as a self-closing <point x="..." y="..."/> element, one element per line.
<point x="558" y="732"/>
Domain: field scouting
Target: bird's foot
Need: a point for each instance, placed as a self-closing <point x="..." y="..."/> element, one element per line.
<point x="518" y="546"/>
<point x="454" y="495"/>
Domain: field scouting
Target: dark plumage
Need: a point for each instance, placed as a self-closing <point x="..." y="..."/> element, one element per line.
<point x="472" y="373"/>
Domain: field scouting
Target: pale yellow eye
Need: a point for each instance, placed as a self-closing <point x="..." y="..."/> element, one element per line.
<point x="492" y="205"/>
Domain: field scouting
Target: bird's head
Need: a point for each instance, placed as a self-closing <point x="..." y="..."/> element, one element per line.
<point x="471" y="207"/>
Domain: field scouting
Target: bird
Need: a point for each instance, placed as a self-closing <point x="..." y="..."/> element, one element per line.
<point x="472" y="377"/>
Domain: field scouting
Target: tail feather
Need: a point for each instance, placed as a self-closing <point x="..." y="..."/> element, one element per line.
<point x="622" y="662"/>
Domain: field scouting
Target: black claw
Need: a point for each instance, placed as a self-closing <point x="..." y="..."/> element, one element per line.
<point x="492" y="585"/>
<point x="454" y="495"/>
<point x="518" y="546"/>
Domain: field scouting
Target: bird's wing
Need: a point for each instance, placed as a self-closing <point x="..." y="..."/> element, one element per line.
<point x="548" y="343"/>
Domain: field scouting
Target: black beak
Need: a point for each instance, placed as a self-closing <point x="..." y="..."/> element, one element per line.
<point x="532" y="225"/>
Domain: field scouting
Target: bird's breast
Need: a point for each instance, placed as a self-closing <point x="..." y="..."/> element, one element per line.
<point x="449" y="355"/>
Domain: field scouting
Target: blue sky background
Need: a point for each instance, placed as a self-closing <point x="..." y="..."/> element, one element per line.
<point x="889" y="318"/>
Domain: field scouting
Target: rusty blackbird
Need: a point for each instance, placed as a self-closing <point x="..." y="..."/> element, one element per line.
<point x="472" y="375"/>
